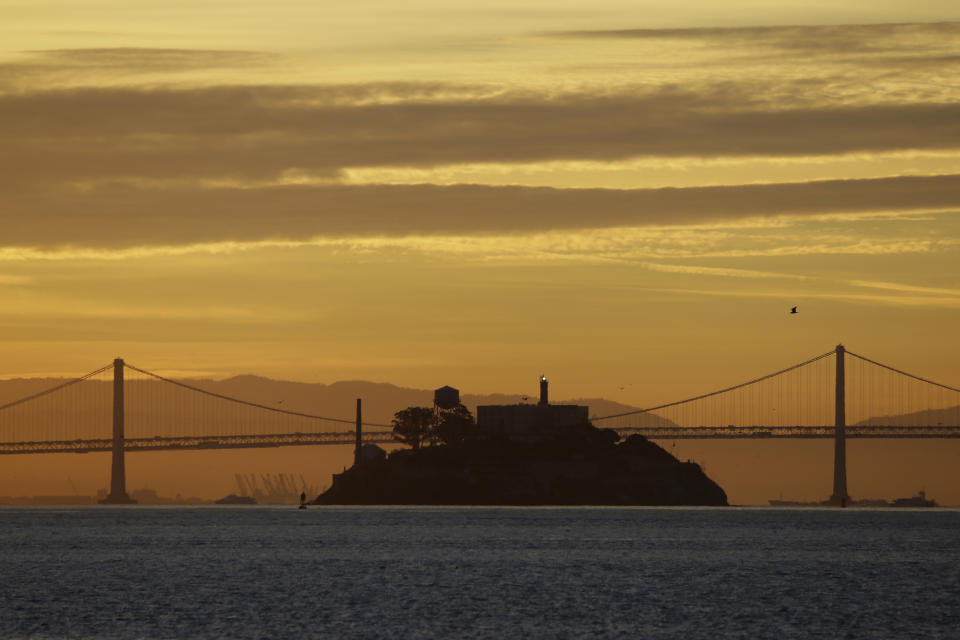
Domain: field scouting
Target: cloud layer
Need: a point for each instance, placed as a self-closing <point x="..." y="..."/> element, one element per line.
<point x="125" y="215"/>
<point x="259" y="133"/>
<point x="819" y="40"/>
<point x="128" y="165"/>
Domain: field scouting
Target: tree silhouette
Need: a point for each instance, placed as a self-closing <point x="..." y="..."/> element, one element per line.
<point x="455" y="425"/>
<point x="413" y="425"/>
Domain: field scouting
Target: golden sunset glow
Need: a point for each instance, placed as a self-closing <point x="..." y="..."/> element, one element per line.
<point x="629" y="196"/>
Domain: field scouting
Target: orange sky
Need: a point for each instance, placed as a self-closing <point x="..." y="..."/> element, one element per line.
<point x="622" y="194"/>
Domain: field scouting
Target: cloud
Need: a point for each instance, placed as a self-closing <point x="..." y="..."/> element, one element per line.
<point x="892" y="49"/>
<point x="937" y="302"/>
<point x="256" y="133"/>
<point x="119" y="65"/>
<point x="624" y="245"/>
<point x="720" y="271"/>
<point x="125" y="216"/>
<point x="883" y="247"/>
<point x="823" y="40"/>
<point x="905" y="288"/>
<point x="147" y="59"/>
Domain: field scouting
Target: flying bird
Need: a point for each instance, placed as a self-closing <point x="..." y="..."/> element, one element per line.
<point x="793" y="310"/>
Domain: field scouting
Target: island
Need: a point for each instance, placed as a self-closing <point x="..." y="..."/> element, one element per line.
<point x="579" y="465"/>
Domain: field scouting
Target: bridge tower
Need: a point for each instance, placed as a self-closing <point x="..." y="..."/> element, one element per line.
<point x="840" y="496"/>
<point x="358" y="444"/>
<point x="118" y="474"/>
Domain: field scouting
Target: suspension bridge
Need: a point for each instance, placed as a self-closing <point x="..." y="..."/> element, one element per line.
<point x="838" y="394"/>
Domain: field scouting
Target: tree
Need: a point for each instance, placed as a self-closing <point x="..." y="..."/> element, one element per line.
<point x="413" y="425"/>
<point x="455" y="425"/>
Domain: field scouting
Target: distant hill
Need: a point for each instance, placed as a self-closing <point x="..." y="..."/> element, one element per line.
<point x="380" y="400"/>
<point x="930" y="417"/>
<point x="337" y="400"/>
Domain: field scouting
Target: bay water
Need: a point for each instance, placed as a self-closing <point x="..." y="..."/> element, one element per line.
<point x="389" y="572"/>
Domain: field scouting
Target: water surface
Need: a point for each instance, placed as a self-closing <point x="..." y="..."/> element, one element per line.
<point x="255" y="572"/>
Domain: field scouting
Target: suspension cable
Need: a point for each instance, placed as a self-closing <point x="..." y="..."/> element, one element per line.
<point x="903" y="373"/>
<point x="248" y="403"/>
<point x="66" y="384"/>
<point x="714" y="393"/>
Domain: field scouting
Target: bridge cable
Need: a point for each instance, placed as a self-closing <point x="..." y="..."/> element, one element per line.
<point x="56" y="388"/>
<point x="715" y="393"/>
<point x="903" y="373"/>
<point x="248" y="403"/>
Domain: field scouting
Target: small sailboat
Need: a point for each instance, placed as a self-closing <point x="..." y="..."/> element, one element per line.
<point x="303" y="500"/>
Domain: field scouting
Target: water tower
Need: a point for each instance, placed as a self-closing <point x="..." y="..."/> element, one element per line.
<point x="446" y="398"/>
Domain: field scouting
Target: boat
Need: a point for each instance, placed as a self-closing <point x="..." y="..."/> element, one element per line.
<point x="235" y="499"/>
<point x="919" y="500"/>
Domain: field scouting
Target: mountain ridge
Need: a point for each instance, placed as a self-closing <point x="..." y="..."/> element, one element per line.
<point x="337" y="399"/>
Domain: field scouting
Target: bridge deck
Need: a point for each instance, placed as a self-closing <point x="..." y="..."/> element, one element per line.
<point x="386" y="437"/>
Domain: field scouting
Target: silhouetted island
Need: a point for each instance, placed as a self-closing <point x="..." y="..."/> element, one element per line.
<point x="580" y="465"/>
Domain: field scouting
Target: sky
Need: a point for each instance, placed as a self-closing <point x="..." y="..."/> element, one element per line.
<point x="626" y="195"/>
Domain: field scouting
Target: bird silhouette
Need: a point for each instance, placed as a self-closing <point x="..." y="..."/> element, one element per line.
<point x="793" y="310"/>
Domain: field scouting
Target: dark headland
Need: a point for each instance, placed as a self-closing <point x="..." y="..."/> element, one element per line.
<point x="582" y="465"/>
